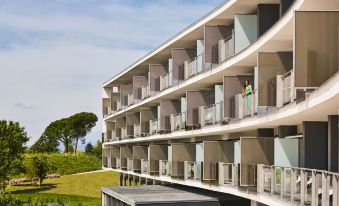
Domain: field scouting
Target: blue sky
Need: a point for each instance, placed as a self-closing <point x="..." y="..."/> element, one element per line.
<point x="55" y="54"/>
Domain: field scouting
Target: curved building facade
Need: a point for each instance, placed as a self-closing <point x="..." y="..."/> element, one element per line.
<point x="245" y="102"/>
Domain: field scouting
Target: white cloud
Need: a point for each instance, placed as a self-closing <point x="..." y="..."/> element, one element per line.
<point x="57" y="56"/>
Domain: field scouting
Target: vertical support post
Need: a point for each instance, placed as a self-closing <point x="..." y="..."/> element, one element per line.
<point x="293" y="183"/>
<point x="282" y="182"/>
<point x="234" y="172"/>
<point x="314" y="189"/>
<point x="221" y="173"/>
<point x="272" y="180"/>
<point x="260" y="178"/>
<point x="303" y="188"/>
<point x="335" y="180"/>
<point x="325" y="189"/>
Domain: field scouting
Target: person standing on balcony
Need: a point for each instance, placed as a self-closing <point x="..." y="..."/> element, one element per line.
<point x="247" y="91"/>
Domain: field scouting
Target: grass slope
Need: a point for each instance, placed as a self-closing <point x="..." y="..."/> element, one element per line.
<point x="65" y="164"/>
<point x="77" y="189"/>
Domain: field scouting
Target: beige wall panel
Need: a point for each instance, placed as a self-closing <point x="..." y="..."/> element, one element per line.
<point x="168" y="107"/>
<point x="179" y="56"/>
<point x="157" y="152"/>
<point x="254" y="151"/>
<point x="316" y="47"/>
<point x="269" y="66"/>
<point x="195" y="99"/>
<point x="181" y="153"/>
<point x="155" y="72"/>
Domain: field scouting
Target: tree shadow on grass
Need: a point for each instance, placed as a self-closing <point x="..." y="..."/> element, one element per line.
<point x="44" y="187"/>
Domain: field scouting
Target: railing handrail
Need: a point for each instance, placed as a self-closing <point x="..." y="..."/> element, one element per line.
<point x="301" y="168"/>
<point x="287" y="74"/>
<point x="195" y="58"/>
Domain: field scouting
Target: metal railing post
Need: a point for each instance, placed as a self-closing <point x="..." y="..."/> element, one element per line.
<point x="314" y="189"/>
<point x="272" y="180"/>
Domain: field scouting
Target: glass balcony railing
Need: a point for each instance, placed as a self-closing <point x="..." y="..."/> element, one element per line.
<point x="193" y="170"/>
<point x="194" y="66"/>
<point x="124" y="133"/>
<point x="244" y="105"/>
<point x="165" y="168"/>
<point x="300" y="185"/>
<point x="129" y="164"/>
<point x="225" y="49"/>
<point x="145" y="91"/>
<point x="144" y="166"/>
<point x="137" y="130"/>
<point x="212" y="114"/>
<point x="117" y="163"/>
<point x="154" y="126"/>
<point x="178" y="121"/>
<point x="166" y="81"/>
<point x="130" y="99"/>
<point x="230" y="174"/>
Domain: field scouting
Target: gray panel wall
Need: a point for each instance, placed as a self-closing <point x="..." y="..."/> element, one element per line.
<point x="179" y="56"/>
<point x="195" y="99"/>
<point x="333" y="142"/>
<point x="316" y="57"/>
<point x="155" y="72"/>
<point x="285" y="5"/>
<point x="138" y="82"/>
<point x="168" y="107"/>
<point x="254" y="151"/>
<point x="315" y="152"/>
<point x="267" y="15"/>
<point x="213" y="34"/>
<point x="245" y="28"/>
<point x="233" y="85"/>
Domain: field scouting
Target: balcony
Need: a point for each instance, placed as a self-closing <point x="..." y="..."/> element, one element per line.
<point x="178" y="121"/>
<point x="244" y="105"/>
<point x="118" y="163"/>
<point x="137" y="130"/>
<point x="145" y="166"/>
<point x="165" y="81"/>
<point x="298" y="185"/>
<point x="129" y="164"/>
<point x="165" y="168"/>
<point x="212" y="114"/>
<point x="130" y="99"/>
<point x="145" y="91"/>
<point x="194" y="66"/>
<point x="229" y="174"/>
<point x="193" y="170"/>
<point x="154" y="126"/>
<point x="226" y="48"/>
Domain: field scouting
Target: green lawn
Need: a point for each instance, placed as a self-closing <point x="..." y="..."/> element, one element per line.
<point x="78" y="189"/>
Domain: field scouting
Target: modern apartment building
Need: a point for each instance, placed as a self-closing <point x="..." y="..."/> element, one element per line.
<point x="182" y="114"/>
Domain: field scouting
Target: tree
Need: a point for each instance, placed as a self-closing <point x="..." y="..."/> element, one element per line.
<point x="59" y="130"/>
<point x="45" y="144"/>
<point x="98" y="149"/>
<point x="12" y="145"/>
<point x="68" y="131"/>
<point x="81" y="124"/>
<point x="89" y="148"/>
<point x="37" y="169"/>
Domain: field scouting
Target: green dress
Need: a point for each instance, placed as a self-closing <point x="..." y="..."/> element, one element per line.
<point x="248" y="91"/>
